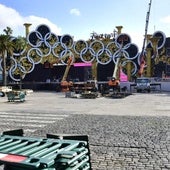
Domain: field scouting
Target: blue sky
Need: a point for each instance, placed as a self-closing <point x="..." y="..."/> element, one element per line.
<point x="80" y="18"/>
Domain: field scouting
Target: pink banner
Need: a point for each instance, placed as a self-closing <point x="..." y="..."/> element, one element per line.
<point x="82" y="64"/>
<point x="123" y="76"/>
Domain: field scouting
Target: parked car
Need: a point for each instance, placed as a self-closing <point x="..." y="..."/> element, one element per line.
<point x="2" y="94"/>
<point x="143" y="84"/>
<point x="4" y="90"/>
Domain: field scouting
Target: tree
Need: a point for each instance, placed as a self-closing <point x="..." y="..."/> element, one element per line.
<point x="8" y="31"/>
<point x="20" y="46"/>
<point x="6" y="48"/>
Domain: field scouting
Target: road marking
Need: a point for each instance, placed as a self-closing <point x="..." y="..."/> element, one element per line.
<point x="31" y="114"/>
<point x="29" y="117"/>
<point x="24" y="124"/>
<point x="26" y="120"/>
<point x="30" y="122"/>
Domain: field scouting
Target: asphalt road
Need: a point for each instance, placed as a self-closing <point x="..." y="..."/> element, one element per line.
<point x="129" y="133"/>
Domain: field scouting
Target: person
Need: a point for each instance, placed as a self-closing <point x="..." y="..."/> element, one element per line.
<point x="115" y="84"/>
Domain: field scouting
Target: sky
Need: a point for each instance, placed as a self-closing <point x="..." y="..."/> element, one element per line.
<point x="79" y="18"/>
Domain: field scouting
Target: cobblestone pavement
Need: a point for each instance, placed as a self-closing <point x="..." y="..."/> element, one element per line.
<point x="124" y="134"/>
<point x="121" y="142"/>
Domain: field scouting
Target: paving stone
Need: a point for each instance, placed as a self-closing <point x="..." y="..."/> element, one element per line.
<point x="122" y="134"/>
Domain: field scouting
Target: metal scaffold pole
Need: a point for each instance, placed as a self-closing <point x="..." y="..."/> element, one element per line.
<point x="142" y="61"/>
<point x="146" y="25"/>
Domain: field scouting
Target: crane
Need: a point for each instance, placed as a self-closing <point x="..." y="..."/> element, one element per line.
<point x="142" y="60"/>
<point x="114" y="82"/>
<point x="64" y="83"/>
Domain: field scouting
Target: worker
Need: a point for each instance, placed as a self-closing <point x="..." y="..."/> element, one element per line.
<point x="115" y="84"/>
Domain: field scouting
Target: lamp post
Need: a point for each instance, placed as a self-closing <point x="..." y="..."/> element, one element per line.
<point x="27" y="25"/>
<point x="119" y="29"/>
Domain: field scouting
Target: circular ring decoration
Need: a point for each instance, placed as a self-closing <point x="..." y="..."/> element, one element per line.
<point x="83" y="45"/>
<point x="51" y="41"/>
<point x="43" y="43"/>
<point x="120" y="53"/>
<point x="94" y="50"/>
<point x="139" y="58"/>
<point x="33" y="55"/>
<point x="162" y="40"/>
<point x="23" y="69"/>
<point x="11" y="73"/>
<point x="90" y="57"/>
<point x="46" y="51"/>
<point x="132" y="50"/>
<point x="43" y="30"/>
<point x="14" y="62"/>
<point x="104" y="60"/>
<point x="63" y="52"/>
<point x="64" y="59"/>
<point x="66" y="41"/>
<point x="134" y="70"/>
<point x="54" y="49"/>
<point x="34" y="39"/>
<point x="18" y="52"/>
<point x="16" y="65"/>
<point x="46" y="40"/>
<point x="111" y="46"/>
<point x="123" y="41"/>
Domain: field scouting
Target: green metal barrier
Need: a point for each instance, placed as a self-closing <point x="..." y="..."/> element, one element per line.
<point x="26" y="153"/>
<point x="16" y="95"/>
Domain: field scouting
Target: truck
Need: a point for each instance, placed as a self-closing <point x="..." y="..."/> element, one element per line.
<point x="143" y="84"/>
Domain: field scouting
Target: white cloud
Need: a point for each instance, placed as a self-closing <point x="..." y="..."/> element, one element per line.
<point x="75" y="11"/>
<point x="137" y="39"/>
<point x="10" y="17"/>
<point x="35" y="21"/>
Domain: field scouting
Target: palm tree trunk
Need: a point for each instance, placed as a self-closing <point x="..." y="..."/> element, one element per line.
<point x="4" y="69"/>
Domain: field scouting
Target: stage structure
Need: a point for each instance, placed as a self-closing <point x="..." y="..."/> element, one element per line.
<point x="45" y="46"/>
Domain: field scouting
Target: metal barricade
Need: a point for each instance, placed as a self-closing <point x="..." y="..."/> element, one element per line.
<point x="28" y="153"/>
<point x="16" y="96"/>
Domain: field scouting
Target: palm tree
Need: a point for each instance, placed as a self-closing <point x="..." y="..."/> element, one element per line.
<point x="6" y="48"/>
<point x="8" y="31"/>
<point x="20" y="45"/>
